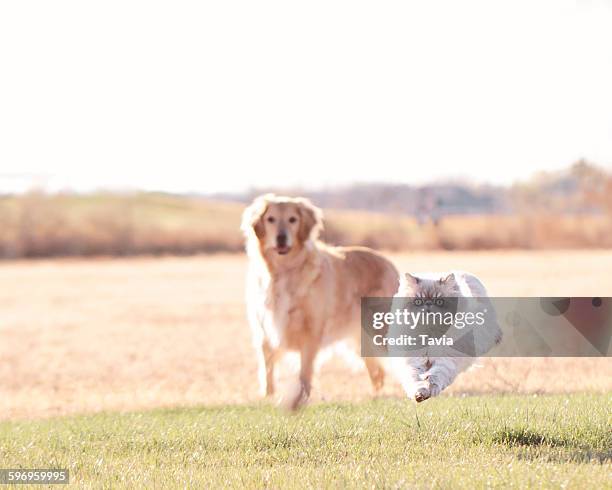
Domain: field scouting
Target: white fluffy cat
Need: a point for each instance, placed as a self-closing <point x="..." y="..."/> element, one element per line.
<point x="423" y="376"/>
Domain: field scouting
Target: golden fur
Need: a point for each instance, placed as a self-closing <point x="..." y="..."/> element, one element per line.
<point x="302" y="294"/>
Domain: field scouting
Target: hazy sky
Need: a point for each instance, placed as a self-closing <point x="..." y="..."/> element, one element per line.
<point x="220" y="96"/>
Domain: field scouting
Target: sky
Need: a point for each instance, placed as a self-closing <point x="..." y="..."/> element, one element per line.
<point x="223" y="96"/>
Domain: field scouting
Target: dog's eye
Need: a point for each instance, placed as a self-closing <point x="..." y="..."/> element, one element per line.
<point x="271" y="219"/>
<point x="293" y="219"/>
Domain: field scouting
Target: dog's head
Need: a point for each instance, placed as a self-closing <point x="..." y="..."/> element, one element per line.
<point x="281" y="224"/>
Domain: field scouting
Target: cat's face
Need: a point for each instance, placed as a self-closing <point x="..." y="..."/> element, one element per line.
<point x="429" y="292"/>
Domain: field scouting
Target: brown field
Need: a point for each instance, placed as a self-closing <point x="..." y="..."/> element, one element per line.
<point x="68" y="225"/>
<point x="117" y="334"/>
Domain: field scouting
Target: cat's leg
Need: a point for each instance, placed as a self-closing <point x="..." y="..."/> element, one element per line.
<point x="443" y="372"/>
<point x="409" y="372"/>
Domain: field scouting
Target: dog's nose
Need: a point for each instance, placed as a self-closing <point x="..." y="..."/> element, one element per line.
<point x="281" y="239"/>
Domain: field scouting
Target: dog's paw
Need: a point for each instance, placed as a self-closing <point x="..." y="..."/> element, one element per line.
<point x="295" y="398"/>
<point x="378" y="383"/>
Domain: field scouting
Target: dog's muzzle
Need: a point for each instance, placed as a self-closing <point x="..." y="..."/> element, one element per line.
<point x="282" y="246"/>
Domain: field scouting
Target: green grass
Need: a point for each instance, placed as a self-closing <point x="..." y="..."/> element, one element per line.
<point x="474" y="442"/>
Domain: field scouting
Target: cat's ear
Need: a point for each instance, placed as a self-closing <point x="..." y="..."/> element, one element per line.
<point x="412" y="280"/>
<point x="450" y="279"/>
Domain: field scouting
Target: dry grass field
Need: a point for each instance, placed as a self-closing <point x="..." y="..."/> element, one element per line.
<point x="120" y="334"/>
<point x="39" y="225"/>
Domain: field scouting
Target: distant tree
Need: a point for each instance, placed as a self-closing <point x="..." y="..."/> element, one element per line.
<point x="595" y="184"/>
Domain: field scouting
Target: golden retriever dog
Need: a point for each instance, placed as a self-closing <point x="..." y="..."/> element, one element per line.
<point x="304" y="295"/>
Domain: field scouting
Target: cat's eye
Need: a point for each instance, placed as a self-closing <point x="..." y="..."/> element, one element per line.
<point x="439" y="302"/>
<point x="418" y="301"/>
<point x="293" y="219"/>
<point x="271" y="219"/>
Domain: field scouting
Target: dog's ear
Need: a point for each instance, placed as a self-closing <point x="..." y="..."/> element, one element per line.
<point x="311" y="222"/>
<point x="251" y="217"/>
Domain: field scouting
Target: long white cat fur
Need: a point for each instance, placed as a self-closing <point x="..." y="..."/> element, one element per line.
<point x="423" y="377"/>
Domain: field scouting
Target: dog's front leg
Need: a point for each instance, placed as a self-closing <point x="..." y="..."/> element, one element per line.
<point x="266" y="360"/>
<point x="376" y="372"/>
<point x="308" y="354"/>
